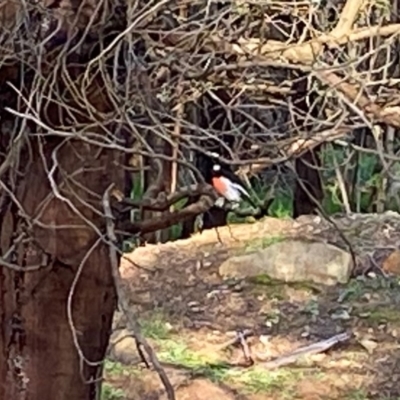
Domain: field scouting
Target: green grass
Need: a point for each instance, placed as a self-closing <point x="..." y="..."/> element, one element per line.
<point x="356" y="394"/>
<point x="156" y="327"/>
<point x="173" y="349"/>
<point x="259" y="380"/>
<point x="356" y="288"/>
<point x="177" y="352"/>
<point x="114" y="368"/>
<point x="361" y="394"/>
<point x="373" y="300"/>
<point x="250" y="380"/>
<point x="381" y="314"/>
<point x="108" y="392"/>
<point x="255" y="379"/>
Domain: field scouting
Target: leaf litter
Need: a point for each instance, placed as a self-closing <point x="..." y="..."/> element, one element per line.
<point x="180" y="280"/>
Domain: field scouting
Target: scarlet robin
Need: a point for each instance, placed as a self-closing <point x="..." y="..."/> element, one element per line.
<point x="229" y="185"/>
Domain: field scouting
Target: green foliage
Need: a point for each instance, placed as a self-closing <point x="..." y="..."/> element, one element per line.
<point x="359" y="172"/>
<point x="156" y="327"/>
<point x="173" y="349"/>
<point x="282" y="206"/>
<point x="176" y="230"/>
<point x="362" y="183"/>
<point x="114" y="368"/>
<point x="254" y="379"/>
<point x="108" y="392"/>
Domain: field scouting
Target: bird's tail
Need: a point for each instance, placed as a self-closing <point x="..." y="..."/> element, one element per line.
<point x="250" y="201"/>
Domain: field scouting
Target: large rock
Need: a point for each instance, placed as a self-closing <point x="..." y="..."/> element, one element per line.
<point x="293" y="261"/>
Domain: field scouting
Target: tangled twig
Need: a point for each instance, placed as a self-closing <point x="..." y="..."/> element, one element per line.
<point x="133" y="324"/>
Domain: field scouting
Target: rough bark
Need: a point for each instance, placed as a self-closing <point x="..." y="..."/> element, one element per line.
<point x="36" y="330"/>
<point x="39" y="359"/>
<point x="59" y="216"/>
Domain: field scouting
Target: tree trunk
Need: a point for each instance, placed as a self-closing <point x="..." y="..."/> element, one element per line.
<point x="303" y="204"/>
<point x="39" y="356"/>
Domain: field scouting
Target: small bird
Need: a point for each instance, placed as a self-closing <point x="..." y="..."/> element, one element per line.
<point x="229" y="186"/>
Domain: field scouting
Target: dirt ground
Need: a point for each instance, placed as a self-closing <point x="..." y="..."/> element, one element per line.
<point x="188" y="313"/>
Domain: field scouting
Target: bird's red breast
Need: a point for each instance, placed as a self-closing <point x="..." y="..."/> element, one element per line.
<point x="219" y="185"/>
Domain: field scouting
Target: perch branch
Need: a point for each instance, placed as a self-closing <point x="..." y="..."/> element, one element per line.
<point x="122" y="298"/>
<point x="163" y="202"/>
<point x="170" y="218"/>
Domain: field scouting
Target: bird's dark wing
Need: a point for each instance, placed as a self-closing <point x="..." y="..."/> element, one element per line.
<point x="227" y="172"/>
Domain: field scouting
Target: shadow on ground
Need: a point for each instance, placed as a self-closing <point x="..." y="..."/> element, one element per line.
<point x="187" y="313"/>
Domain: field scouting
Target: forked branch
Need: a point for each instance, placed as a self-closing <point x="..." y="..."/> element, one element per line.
<point x="162" y="202"/>
<point x="169" y="218"/>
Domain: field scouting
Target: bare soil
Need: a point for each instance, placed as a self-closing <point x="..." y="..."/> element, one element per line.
<point x="180" y="281"/>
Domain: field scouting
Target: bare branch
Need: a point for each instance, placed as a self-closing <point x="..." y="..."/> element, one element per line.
<point x="123" y="299"/>
<point x="163" y="202"/>
<point x="356" y="96"/>
<point x="170" y="218"/>
<point x="347" y="18"/>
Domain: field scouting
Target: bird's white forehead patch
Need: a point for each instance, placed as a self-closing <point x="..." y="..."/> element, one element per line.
<point x="216" y="167"/>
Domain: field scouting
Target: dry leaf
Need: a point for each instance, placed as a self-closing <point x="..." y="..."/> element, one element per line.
<point x="391" y="264"/>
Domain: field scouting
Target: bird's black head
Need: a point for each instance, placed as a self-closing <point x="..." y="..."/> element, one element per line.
<point x="217" y="170"/>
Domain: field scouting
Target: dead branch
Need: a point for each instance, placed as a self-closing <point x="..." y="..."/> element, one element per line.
<point x="133" y="324"/>
<point x="347" y="18"/>
<point x="314" y="348"/>
<point x="162" y="202"/>
<point x="236" y="340"/>
<point x="302" y="53"/>
<point x="355" y="96"/>
<point x="246" y="350"/>
<point x="158" y="186"/>
<point x="170" y="218"/>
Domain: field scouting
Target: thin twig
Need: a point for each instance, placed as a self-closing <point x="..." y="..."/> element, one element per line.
<point x="233" y="342"/>
<point x="133" y="324"/>
<point x="245" y="348"/>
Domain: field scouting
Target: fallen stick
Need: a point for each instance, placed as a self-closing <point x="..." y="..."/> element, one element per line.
<point x="245" y="347"/>
<point x="314" y="348"/>
<point x="237" y="339"/>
